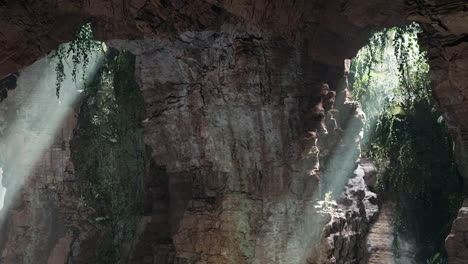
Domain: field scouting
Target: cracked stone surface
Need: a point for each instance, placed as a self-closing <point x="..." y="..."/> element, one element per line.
<point x="32" y="29"/>
<point x="345" y="234"/>
<point x="225" y="124"/>
<point x="238" y="116"/>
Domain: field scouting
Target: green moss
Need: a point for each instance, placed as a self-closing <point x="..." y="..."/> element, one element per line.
<point x="108" y="153"/>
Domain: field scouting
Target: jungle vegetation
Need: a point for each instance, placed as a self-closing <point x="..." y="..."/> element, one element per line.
<point x="78" y="53"/>
<point x="407" y="138"/>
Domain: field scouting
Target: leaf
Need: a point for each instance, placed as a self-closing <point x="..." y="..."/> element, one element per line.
<point x="440" y="120"/>
<point x="397" y="110"/>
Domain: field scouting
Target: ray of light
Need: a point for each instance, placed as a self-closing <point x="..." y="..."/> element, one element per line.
<point x="343" y="161"/>
<point x="34" y="116"/>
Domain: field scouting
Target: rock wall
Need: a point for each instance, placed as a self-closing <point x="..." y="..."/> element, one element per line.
<point x="334" y="30"/>
<point x="232" y="129"/>
<point x="235" y="101"/>
<point x="232" y="120"/>
<point x="445" y="39"/>
<point x="350" y="220"/>
<point x="456" y="243"/>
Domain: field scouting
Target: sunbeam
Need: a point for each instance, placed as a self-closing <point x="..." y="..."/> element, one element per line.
<point x="356" y="127"/>
<point x="34" y="124"/>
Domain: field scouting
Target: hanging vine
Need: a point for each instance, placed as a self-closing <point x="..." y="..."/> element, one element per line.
<point x="78" y="51"/>
<point x="406" y="136"/>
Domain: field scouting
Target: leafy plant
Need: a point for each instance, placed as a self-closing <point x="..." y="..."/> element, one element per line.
<point x="436" y="259"/>
<point x="406" y="137"/>
<point x="109" y="154"/>
<point x="78" y="50"/>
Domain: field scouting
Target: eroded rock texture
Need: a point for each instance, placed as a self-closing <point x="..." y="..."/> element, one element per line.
<point x="334" y="29"/>
<point x="225" y="117"/>
<point x="445" y="38"/>
<point x="233" y="130"/>
<point x="32" y="29"/>
<point x="345" y="234"/>
<point x="235" y="100"/>
<point x="456" y="243"/>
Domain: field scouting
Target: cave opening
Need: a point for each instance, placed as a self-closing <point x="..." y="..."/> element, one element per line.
<point x="406" y="139"/>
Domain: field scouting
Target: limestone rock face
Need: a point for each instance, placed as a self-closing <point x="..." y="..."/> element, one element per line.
<point x="239" y="124"/>
<point x="334" y="29"/>
<point x="456" y="243"/>
<point x="345" y="234"/>
<point x="444" y="38"/>
<point x="231" y="122"/>
<point x="32" y="29"/>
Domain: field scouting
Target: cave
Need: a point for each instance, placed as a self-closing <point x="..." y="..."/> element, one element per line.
<point x="183" y="132"/>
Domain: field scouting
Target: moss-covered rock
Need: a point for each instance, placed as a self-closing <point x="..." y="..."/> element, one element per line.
<point x="109" y="154"/>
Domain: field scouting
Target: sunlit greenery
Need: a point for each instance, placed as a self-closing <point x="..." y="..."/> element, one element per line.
<point x="436" y="259"/>
<point x="77" y="52"/>
<point x="406" y="136"/>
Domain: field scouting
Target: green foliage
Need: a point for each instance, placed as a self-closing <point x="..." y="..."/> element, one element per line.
<point x="109" y="154"/>
<point x="437" y="258"/>
<point x="362" y="68"/>
<point x="406" y="137"/>
<point x="78" y="50"/>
